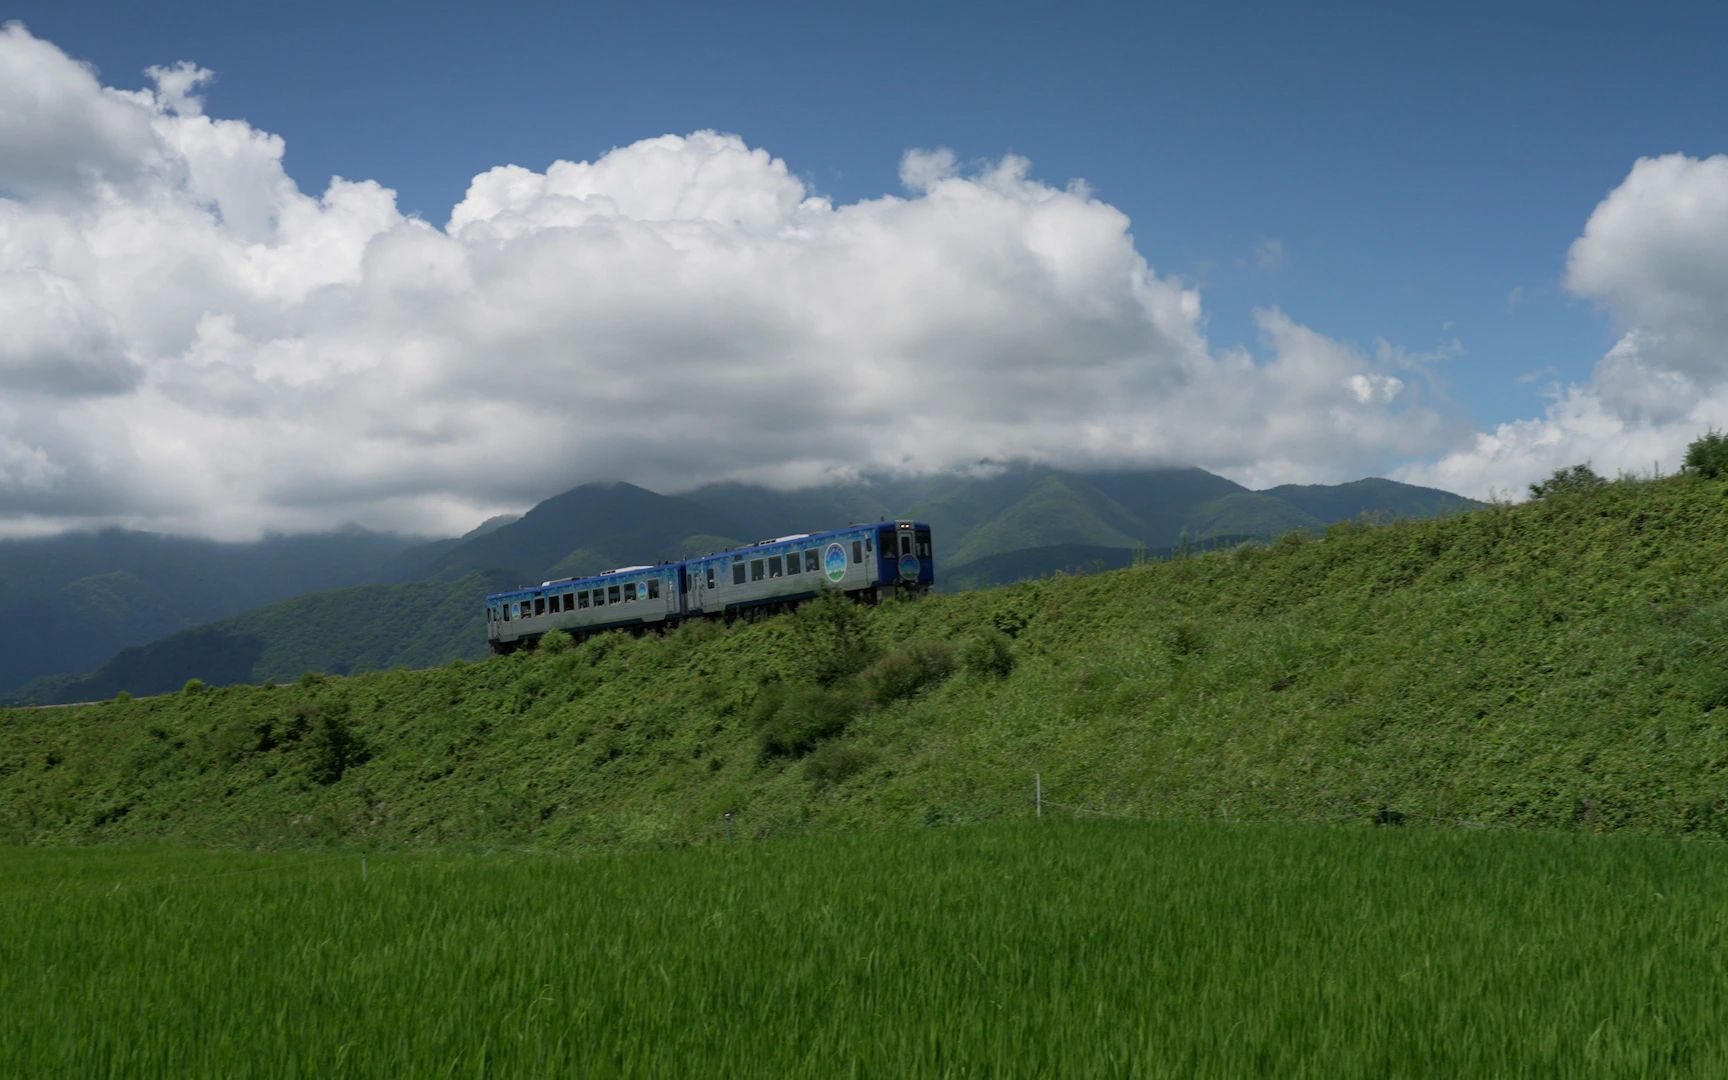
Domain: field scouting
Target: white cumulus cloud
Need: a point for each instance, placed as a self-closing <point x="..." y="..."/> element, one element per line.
<point x="1654" y="255"/>
<point x="193" y="343"/>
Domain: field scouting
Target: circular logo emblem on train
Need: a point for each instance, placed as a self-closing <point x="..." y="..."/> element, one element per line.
<point x="909" y="567"/>
<point x="834" y="562"/>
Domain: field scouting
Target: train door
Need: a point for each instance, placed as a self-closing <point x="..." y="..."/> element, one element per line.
<point x="697" y="599"/>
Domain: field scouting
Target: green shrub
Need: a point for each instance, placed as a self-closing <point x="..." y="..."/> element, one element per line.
<point x="1707" y="456"/>
<point x="793" y="719"/>
<point x="122" y="697"/>
<point x="239" y="738"/>
<point x="193" y="686"/>
<point x="988" y="653"/>
<point x="696" y="631"/>
<point x="1713" y="692"/>
<point x="835" y="762"/>
<point x="332" y="748"/>
<point x="1185" y="638"/>
<point x="1577" y="480"/>
<point x="555" y="641"/>
<point x="904" y="673"/>
<point x="833" y="637"/>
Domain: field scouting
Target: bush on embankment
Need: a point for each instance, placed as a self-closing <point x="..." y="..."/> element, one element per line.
<point x="1557" y="665"/>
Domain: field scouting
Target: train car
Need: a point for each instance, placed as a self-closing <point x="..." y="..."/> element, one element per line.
<point x="630" y="596"/>
<point x="871" y="560"/>
<point x="866" y="560"/>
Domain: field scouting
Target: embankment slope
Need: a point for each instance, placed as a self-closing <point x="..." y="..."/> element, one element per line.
<point x="1556" y="665"/>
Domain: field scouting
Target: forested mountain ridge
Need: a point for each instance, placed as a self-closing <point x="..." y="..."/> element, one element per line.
<point x="69" y="602"/>
<point x="1010" y="524"/>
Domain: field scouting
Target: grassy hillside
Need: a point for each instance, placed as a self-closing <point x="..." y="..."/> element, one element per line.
<point x="1558" y="664"/>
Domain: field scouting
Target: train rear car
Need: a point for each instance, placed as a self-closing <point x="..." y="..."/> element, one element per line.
<point x="631" y="596"/>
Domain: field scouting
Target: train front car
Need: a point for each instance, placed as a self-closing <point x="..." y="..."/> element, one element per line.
<point x="865" y="561"/>
<point x="904" y="560"/>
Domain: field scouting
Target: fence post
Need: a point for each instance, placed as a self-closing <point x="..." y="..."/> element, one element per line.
<point x="728" y="816"/>
<point x="1038" y="794"/>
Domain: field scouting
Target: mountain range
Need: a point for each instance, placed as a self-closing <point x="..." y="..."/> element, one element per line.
<point x="178" y="609"/>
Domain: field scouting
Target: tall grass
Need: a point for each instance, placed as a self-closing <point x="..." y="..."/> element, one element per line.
<point x="1111" y="948"/>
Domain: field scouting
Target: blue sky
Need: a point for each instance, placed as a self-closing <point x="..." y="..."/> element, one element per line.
<point x="1416" y="164"/>
<point x="1407" y="173"/>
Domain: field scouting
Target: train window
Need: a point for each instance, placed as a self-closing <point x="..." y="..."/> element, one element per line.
<point x="630" y="592"/>
<point x="710" y="577"/>
<point x="612" y="594"/>
<point x="867" y="547"/>
<point x="755" y="569"/>
<point x="774" y="566"/>
<point x="924" y="546"/>
<point x="905" y="543"/>
<point x="653" y="588"/>
<point x="539" y="605"/>
<point x="793" y="562"/>
<point x="569" y="601"/>
<point x="506" y="611"/>
<point x="812" y="561"/>
<point x="738" y="572"/>
<point x="857" y="551"/>
<point x="582" y="599"/>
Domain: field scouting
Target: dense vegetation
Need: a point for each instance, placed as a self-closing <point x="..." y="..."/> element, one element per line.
<point x="1558" y="664"/>
<point x="1024" y="949"/>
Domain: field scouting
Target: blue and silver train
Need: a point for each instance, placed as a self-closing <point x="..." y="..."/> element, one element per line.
<point x="866" y="561"/>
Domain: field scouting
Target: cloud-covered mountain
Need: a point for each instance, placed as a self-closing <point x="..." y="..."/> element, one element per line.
<point x="68" y="602"/>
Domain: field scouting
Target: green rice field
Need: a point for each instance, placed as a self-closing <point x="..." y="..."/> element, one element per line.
<point x="1106" y="948"/>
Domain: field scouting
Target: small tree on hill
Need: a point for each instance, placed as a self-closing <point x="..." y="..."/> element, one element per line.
<point x="1577" y="480"/>
<point x="1707" y="456"/>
